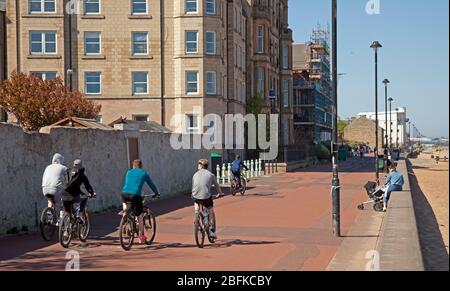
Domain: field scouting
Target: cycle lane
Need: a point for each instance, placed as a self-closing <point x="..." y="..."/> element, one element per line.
<point x="281" y="224"/>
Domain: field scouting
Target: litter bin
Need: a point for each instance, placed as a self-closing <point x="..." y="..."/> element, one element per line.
<point x="396" y="154"/>
<point x="342" y="154"/>
<point x="381" y="163"/>
<point x="216" y="159"/>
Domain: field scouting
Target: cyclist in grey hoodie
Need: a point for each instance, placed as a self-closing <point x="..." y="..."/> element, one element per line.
<point x="54" y="180"/>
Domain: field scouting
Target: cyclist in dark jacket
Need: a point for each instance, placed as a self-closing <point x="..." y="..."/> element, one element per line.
<point x="73" y="193"/>
<point x="236" y="168"/>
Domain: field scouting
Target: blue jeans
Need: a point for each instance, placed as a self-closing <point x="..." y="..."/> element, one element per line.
<point x="390" y="189"/>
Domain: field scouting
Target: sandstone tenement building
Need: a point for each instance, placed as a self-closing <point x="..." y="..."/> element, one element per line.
<point x="155" y="59"/>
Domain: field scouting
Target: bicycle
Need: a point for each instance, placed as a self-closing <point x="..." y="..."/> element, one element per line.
<point x="47" y="222"/>
<point x="129" y="226"/>
<point x="202" y="227"/>
<point x="74" y="224"/>
<point x="235" y="183"/>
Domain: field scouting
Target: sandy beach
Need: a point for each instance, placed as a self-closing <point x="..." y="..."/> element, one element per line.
<point x="432" y="197"/>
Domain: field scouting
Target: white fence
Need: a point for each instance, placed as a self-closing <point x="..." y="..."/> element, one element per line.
<point x="224" y="175"/>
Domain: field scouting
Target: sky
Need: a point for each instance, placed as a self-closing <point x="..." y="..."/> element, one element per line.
<point x="414" y="57"/>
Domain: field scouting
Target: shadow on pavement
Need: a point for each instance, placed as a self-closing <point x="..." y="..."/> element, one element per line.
<point x="434" y="253"/>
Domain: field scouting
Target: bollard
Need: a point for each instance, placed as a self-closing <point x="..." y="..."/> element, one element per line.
<point x="259" y="168"/>
<point x="253" y="168"/>
<point x="218" y="173"/>
<point x="223" y="174"/>
<point x="229" y="173"/>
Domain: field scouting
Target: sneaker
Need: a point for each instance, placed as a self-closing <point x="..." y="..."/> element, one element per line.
<point x="384" y="209"/>
<point x="212" y="234"/>
<point x="143" y="239"/>
<point x="58" y="222"/>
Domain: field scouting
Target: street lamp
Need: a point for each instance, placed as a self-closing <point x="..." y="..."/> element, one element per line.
<point x="410" y="137"/>
<point x="390" y="122"/>
<point x="397" y="128"/>
<point x="376" y="46"/>
<point x="386" y="153"/>
<point x="336" y="211"/>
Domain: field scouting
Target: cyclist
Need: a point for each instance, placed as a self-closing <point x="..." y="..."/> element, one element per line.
<point x="73" y="193"/>
<point x="53" y="181"/>
<point x="201" y="193"/>
<point x="236" y="168"/>
<point x="132" y="193"/>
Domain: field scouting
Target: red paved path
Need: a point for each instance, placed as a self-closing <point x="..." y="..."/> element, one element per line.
<point x="283" y="223"/>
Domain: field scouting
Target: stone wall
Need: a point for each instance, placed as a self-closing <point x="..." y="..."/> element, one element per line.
<point x="363" y="130"/>
<point x="24" y="156"/>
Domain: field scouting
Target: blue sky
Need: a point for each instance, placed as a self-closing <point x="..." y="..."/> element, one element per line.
<point x="415" y="56"/>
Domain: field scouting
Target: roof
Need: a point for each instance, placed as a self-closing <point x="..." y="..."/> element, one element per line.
<point x="142" y="125"/>
<point x="81" y="123"/>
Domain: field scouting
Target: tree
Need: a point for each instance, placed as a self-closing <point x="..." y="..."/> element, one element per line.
<point x="341" y="127"/>
<point x="37" y="103"/>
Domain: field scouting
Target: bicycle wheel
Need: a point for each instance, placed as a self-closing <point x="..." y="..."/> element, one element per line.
<point x="199" y="232"/>
<point x="233" y="187"/>
<point x="244" y="186"/>
<point x="47" y="223"/>
<point x="65" y="231"/>
<point x="126" y="230"/>
<point x="149" y="226"/>
<point x="85" y="227"/>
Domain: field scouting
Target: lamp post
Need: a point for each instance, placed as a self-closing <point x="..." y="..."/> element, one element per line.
<point x="397" y="128"/>
<point x="386" y="145"/>
<point x="409" y="130"/>
<point x="390" y="122"/>
<point x="336" y="211"/>
<point x="376" y="46"/>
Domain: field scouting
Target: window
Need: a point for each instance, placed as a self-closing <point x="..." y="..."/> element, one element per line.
<point x="141" y="117"/>
<point x="192" y="123"/>
<point x="92" y="43"/>
<point x="99" y="118"/>
<point x="42" y="42"/>
<point x="260" y="36"/>
<point x="91" y="6"/>
<point x="140" y="43"/>
<point x="192" y="82"/>
<point x="45" y="75"/>
<point x="210" y="7"/>
<point x="42" y="6"/>
<point x="261" y="82"/>
<point x="191" y="42"/>
<point x="211" y="83"/>
<point x="286" y="93"/>
<point x="210" y="43"/>
<point x="285" y="57"/>
<point x="140" y="83"/>
<point x="139" y="7"/>
<point x="190" y="6"/>
<point x="93" y="83"/>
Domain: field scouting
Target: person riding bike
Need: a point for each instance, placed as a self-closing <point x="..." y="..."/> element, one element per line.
<point x="73" y="193"/>
<point x="236" y="168"/>
<point x="54" y="179"/>
<point x="132" y="193"/>
<point x="202" y="183"/>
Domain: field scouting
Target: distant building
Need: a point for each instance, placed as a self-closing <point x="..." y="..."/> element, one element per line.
<point x="399" y="124"/>
<point x="313" y="104"/>
<point x="362" y="130"/>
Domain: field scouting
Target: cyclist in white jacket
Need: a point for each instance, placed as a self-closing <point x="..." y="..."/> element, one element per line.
<point x="54" y="180"/>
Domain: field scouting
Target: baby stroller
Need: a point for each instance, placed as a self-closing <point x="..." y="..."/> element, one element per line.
<point x="376" y="194"/>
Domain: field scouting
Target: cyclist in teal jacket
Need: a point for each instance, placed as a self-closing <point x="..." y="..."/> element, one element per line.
<point x="132" y="193"/>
